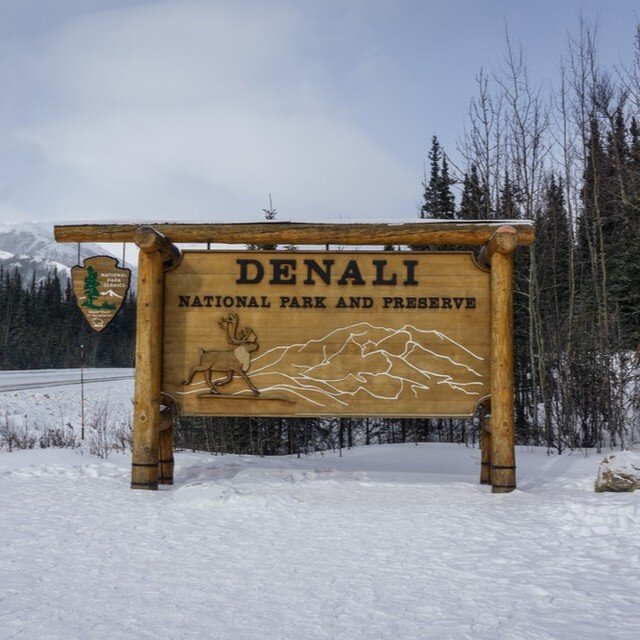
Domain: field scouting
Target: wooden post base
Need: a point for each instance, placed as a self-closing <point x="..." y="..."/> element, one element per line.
<point x="503" y="479"/>
<point x="485" y="447"/>
<point x="166" y="462"/>
<point x="166" y="471"/>
<point x="144" y="476"/>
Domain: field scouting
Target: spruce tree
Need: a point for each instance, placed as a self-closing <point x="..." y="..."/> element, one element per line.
<point x="473" y="204"/>
<point x="447" y="202"/>
<point x="553" y="248"/>
<point x="438" y="200"/>
<point x="508" y="206"/>
<point x="430" y="197"/>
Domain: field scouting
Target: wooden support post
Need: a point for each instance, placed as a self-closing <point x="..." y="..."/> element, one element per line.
<point x="165" y="475"/>
<point x="155" y="249"/>
<point x="499" y="251"/>
<point x="485" y="444"/>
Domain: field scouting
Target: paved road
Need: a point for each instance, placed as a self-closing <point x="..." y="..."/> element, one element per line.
<point x="42" y="379"/>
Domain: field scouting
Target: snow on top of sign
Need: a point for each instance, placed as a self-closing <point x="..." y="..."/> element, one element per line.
<point x="321" y="219"/>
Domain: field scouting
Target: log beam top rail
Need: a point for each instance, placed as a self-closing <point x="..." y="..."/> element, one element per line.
<point x="504" y="240"/>
<point x="474" y="233"/>
<point x="149" y="241"/>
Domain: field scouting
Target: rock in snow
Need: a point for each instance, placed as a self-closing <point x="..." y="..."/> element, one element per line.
<point x="619" y="472"/>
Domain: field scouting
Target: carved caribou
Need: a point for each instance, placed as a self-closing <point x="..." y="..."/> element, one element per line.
<point x="229" y="361"/>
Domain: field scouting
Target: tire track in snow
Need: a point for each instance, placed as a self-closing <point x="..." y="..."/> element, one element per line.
<point x="5" y="388"/>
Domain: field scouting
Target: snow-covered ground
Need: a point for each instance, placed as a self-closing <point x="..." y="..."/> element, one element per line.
<point x="394" y="542"/>
<point x="36" y="400"/>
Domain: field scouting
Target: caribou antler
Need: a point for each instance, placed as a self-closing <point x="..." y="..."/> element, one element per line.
<point x="235" y="337"/>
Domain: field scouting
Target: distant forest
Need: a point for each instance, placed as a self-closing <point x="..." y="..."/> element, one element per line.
<point x="41" y="327"/>
<point x="566" y="156"/>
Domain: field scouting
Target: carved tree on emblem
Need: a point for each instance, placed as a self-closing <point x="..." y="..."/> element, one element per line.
<point x="91" y="288"/>
<point x="92" y="291"/>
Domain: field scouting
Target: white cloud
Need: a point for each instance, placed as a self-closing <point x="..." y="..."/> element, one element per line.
<point x="310" y="161"/>
<point x="201" y="109"/>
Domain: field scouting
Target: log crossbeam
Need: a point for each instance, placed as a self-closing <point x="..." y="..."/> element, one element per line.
<point x="426" y="232"/>
<point x="151" y="241"/>
<point x="504" y="241"/>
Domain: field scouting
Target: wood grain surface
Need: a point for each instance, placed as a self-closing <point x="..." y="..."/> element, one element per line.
<point x="503" y="471"/>
<point x="148" y="380"/>
<point x="299" y="233"/>
<point x="389" y="334"/>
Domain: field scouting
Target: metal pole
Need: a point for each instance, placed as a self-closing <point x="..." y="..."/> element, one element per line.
<point x="82" y="392"/>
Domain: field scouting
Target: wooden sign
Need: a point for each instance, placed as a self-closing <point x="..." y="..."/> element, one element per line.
<point x="318" y="334"/>
<point x="100" y="287"/>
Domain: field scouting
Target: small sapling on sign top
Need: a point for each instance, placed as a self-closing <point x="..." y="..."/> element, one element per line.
<point x="100" y="288"/>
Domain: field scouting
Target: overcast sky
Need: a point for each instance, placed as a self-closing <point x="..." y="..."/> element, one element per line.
<point x="197" y="110"/>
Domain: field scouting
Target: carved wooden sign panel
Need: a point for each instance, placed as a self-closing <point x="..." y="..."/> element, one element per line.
<point x="326" y="334"/>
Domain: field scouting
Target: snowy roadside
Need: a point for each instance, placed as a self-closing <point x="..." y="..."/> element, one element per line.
<point x="393" y="541"/>
<point x="49" y="408"/>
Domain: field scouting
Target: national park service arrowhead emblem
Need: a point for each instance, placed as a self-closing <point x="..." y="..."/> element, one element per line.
<point x="100" y="288"/>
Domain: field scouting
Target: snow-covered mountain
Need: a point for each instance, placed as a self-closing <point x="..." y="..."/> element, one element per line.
<point x="30" y="246"/>
<point x="362" y="362"/>
<point x="109" y="294"/>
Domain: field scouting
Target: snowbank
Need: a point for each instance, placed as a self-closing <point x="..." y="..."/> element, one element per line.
<point x="396" y="541"/>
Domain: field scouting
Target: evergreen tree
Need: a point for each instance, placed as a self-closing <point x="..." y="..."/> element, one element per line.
<point x="438" y="200"/>
<point x="473" y="202"/>
<point x="446" y="199"/>
<point x="430" y="198"/>
<point x="590" y="227"/>
<point x="91" y="287"/>
<point x="553" y="248"/>
<point x="621" y="227"/>
<point x="508" y="206"/>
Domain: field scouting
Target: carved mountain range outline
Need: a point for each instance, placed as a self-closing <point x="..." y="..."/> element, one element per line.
<point x="382" y="363"/>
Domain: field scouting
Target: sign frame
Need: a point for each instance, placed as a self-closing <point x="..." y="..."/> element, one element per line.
<point x="152" y="450"/>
